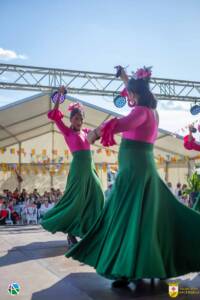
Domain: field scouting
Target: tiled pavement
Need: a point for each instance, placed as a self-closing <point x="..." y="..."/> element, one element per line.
<point x="35" y="259"/>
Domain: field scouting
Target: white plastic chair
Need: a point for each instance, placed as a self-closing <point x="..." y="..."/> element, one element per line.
<point x="8" y="220"/>
<point x="31" y="214"/>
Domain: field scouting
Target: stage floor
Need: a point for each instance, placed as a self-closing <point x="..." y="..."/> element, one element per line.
<point x="35" y="260"/>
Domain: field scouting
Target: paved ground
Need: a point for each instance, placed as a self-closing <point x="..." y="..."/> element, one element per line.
<point x="35" y="259"/>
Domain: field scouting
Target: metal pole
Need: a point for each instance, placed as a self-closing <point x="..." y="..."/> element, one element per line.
<point x="20" y="167"/>
<point x="53" y="144"/>
<point x="189" y="168"/>
<point x="166" y="171"/>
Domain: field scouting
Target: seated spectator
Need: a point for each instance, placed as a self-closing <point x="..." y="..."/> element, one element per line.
<point x="178" y="190"/>
<point x="4" y="212"/>
<point x="15" y="217"/>
<point x="169" y="184"/>
<point x="36" y="195"/>
<point x="16" y="194"/>
<point x="45" y="207"/>
<point x="29" y="213"/>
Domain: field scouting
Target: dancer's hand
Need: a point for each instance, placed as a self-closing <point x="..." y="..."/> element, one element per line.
<point x="190" y="133"/>
<point x="190" y="128"/>
<point x="122" y="74"/>
<point x="62" y="89"/>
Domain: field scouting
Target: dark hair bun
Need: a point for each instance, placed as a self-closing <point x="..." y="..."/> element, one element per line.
<point x="142" y="89"/>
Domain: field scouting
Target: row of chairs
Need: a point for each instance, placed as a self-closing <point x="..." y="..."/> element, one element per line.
<point x="27" y="215"/>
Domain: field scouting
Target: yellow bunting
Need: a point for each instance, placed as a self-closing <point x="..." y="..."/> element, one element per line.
<point x="27" y="170"/>
<point x="61" y="170"/>
<point x="52" y="171"/>
<point x="108" y="152"/>
<point x="12" y="150"/>
<point x="36" y="171"/>
<point x="44" y="171"/>
<point x="44" y="152"/>
<point x="67" y="154"/>
<point x="104" y="168"/>
<point x="97" y="168"/>
<point x="2" y="150"/>
<point x="114" y="168"/>
<point x="174" y="159"/>
<point x="160" y="159"/>
<point x="55" y="152"/>
<point x="33" y="151"/>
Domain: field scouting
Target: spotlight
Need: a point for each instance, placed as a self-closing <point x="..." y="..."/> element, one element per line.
<point x="195" y="110"/>
<point x="119" y="101"/>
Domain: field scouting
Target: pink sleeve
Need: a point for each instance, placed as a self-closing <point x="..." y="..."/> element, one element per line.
<point x="135" y="119"/>
<point x="191" y="145"/>
<point x="56" y="116"/>
<point x="86" y="130"/>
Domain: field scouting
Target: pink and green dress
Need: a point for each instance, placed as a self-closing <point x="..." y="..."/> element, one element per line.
<point x="83" y="198"/>
<point x="143" y="230"/>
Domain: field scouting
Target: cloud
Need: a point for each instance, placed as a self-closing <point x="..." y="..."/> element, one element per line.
<point x="173" y="105"/>
<point x="10" y="54"/>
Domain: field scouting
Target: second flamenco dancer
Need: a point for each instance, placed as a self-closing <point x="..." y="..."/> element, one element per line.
<point x="83" y="198"/>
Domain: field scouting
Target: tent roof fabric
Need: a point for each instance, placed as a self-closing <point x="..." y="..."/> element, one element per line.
<point x="26" y="119"/>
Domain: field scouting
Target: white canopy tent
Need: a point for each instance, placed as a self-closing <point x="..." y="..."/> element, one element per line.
<point x="24" y="126"/>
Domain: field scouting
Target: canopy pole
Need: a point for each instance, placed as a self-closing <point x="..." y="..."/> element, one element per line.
<point x="189" y="168"/>
<point x="20" y="166"/>
<point x="53" y="146"/>
<point x="166" y="171"/>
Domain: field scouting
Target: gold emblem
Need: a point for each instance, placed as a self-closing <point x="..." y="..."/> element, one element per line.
<point x="173" y="289"/>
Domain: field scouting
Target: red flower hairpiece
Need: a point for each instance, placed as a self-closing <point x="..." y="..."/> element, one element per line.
<point x="142" y="73"/>
<point x="73" y="106"/>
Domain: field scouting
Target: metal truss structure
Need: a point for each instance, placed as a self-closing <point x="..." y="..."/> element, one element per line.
<point x="28" y="78"/>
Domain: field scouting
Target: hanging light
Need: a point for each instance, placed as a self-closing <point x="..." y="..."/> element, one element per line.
<point x="119" y="101"/>
<point x="195" y="109"/>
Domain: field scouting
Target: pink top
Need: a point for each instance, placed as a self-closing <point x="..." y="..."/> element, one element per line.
<point x="140" y="125"/>
<point x="75" y="140"/>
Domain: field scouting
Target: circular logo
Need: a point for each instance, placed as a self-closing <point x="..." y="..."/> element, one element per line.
<point x="13" y="288"/>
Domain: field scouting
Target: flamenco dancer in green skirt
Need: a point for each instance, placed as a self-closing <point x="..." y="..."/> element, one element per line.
<point x="143" y="230"/>
<point x="83" y="197"/>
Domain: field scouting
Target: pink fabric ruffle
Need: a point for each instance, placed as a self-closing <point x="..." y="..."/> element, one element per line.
<point x="124" y="93"/>
<point x="191" y="145"/>
<point x="107" y="133"/>
<point x="55" y="115"/>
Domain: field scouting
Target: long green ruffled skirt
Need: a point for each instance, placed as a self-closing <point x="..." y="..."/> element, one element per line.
<point x="143" y="231"/>
<point x="82" y="201"/>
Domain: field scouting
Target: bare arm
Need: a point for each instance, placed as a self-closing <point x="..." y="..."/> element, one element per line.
<point x="56" y="116"/>
<point x="94" y="135"/>
<point x="190" y="136"/>
<point x="123" y="75"/>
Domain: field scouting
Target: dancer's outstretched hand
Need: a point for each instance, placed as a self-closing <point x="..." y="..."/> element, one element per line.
<point x="62" y="90"/>
<point x="122" y="74"/>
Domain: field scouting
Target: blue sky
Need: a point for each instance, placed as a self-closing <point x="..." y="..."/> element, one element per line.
<point x="96" y="35"/>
